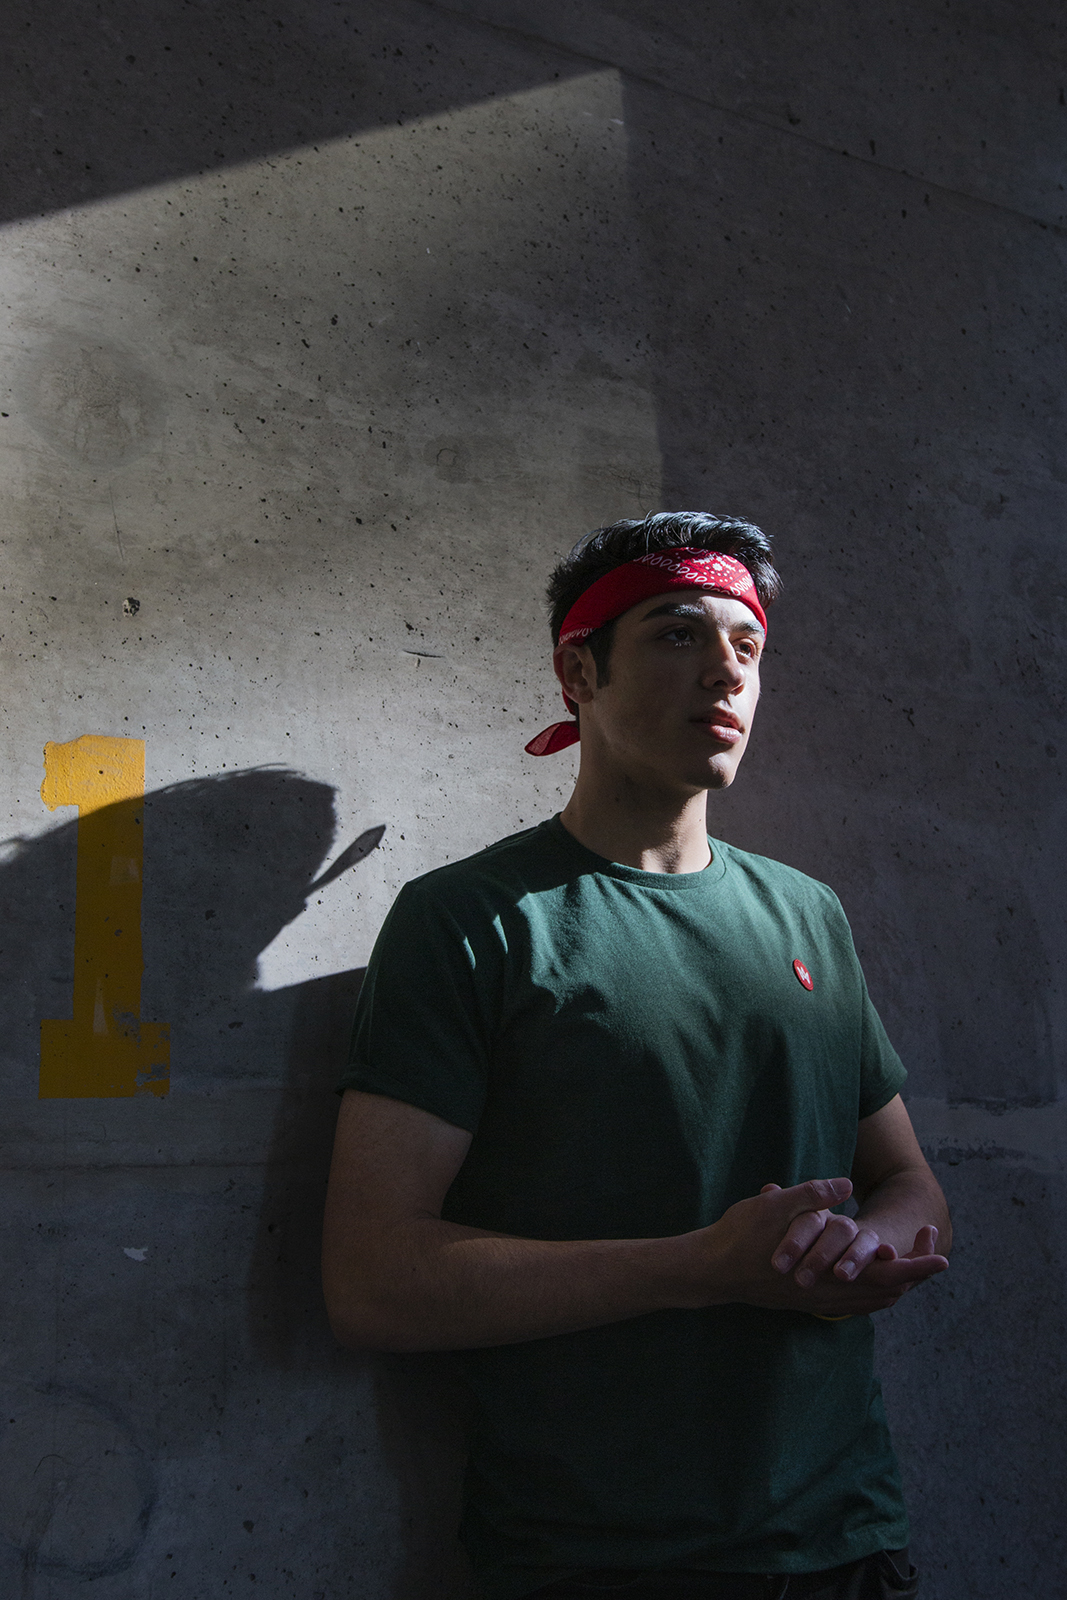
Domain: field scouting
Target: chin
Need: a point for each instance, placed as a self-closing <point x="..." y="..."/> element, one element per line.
<point x="716" y="777"/>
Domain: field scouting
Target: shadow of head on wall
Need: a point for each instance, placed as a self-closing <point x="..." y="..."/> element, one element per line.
<point x="229" y="861"/>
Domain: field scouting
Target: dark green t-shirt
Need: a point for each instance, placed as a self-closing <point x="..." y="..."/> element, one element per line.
<point x="633" y="1052"/>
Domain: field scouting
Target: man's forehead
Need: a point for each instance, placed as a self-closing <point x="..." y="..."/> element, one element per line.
<point x="702" y="603"/>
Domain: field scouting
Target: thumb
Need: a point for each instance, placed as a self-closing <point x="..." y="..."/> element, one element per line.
<point x="925" y="1241"/>
<point x="818" y="1194"/>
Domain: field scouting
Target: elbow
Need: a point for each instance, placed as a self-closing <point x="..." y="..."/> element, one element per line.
<point x="363" y="1321"/>
<point x="350" y="1330"/>
<point x="372" y="1295"/>
<point x="348" y="1287"/>
<point x="355" y="1322"/>
<point x="364" y="1330"/>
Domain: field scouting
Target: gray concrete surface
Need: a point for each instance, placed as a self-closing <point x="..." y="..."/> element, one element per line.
<point x="326" y="326"/>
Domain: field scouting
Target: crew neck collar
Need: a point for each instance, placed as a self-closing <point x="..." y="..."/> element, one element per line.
<point x="592" y="862"/>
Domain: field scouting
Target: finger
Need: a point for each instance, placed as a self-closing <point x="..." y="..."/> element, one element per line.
<point x="798" y="1239"/>
<point x="876" y="1290"/>
<point x="804" y="1201"/>
<point x="905" y="1270"/>
<point x="818" y="1192"/>
<point x="908" y="1270"/>
<point x="863" y="1249"/>
<point x="925" y="1241"/>
<point x="831" y="1244"/>
<point x="815" y="1195"/>
<point x="925" y="1267"/>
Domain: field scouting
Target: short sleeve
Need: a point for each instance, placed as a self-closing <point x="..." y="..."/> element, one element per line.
<point x="882" y="1073"/>
<point x="423" y="1024"/>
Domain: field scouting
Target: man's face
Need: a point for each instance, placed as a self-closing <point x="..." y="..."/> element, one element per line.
<point x="682" y="687"/>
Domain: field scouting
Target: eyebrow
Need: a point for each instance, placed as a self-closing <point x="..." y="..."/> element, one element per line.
<point x="682" y="608"/>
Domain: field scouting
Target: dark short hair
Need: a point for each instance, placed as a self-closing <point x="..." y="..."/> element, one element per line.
<point x="604" y="549"/>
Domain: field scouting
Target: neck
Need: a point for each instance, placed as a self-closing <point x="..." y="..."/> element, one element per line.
<point x="637" y="824"/>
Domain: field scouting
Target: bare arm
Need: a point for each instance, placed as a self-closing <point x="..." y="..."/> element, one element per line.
<point x="902" y="1213"/>
<point x="399" y="1277"/>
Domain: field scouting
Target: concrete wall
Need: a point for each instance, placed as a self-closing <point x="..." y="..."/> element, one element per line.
<point x="326" y="326"/>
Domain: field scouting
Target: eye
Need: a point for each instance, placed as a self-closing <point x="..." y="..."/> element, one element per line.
<point x="747" y="648"/>
<point x="679" y="634"/>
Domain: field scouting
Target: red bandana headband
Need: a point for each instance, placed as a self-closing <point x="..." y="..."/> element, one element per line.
<point x="626" y="586"/>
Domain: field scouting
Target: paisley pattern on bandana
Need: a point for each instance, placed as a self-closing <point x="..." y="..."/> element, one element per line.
<point x="681" y="568"/>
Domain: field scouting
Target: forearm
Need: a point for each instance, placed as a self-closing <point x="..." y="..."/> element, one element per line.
<point x="901" y="1204"/>
<point x="420" y="1283"/>
<point x="427" y="1284"/>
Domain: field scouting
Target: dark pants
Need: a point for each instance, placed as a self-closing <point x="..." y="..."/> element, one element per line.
<point x="888" y="1575"/>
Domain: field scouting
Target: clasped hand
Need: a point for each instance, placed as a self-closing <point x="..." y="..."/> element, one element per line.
<point x="787" y="1249"/>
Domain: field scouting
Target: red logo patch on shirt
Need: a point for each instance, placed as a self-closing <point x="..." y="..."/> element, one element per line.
<point x="803" y="975"/>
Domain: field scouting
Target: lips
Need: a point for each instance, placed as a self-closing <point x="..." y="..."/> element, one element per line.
<point x="721" y="725"/>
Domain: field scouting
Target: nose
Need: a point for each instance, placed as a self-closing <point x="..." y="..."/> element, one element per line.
<point x="722" y="668"/>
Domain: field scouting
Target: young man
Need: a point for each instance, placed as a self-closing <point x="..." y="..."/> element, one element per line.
<point x="607" y="1079"/>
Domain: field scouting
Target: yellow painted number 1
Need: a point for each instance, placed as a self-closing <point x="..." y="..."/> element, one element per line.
<point x="104" y="1050"/>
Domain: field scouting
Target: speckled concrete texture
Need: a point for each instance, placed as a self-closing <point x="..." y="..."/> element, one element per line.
<point x="325" y="328"/>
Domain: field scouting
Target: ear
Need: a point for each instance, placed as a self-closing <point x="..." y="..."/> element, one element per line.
<point x="576" y="670"/>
